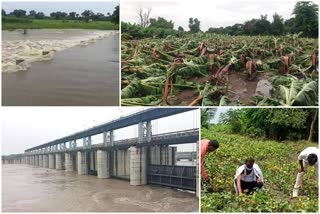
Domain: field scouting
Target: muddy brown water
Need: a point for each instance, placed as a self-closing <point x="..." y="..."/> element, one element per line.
<point x="30" y="189"/>
<point x="239" y="88"/>
<point x="81" y="75"/>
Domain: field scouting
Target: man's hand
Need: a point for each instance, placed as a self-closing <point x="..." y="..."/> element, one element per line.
<point x="259" y="180"/>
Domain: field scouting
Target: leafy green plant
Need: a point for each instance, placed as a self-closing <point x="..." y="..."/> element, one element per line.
<point x="279" y="164"/>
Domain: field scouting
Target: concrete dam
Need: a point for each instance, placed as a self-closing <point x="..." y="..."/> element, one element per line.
<point x="147" y="159"/>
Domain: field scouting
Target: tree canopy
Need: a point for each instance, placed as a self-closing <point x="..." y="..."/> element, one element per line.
<point x="194" y="25"/>
<point x="60" y="15"/>
<point x="161" y="23"/>
<point x="305" y="20"/>
<point x="279" y="124"/>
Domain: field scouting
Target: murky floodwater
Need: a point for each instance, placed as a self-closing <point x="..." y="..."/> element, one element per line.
<point x="29" y="189"/>
<point x="80" y="67"/>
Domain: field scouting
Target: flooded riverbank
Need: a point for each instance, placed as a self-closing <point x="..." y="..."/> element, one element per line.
<point x="78" y="67"/>
<point x="29" y="189"/>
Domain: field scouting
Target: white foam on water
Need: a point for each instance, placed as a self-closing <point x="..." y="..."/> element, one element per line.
<point x="18" y="54"/>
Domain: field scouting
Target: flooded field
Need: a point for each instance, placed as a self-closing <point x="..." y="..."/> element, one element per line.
<point x="239" y="89"/>
<point x="60" y="67"/>
<point x="29" y="189"/>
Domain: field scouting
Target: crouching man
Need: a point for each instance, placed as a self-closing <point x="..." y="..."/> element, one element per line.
<point x="248" y="178"/>
<point x="308" y="157"/>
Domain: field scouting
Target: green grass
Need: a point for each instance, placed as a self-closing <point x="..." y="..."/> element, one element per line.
<point x="279" y="165"/>
<point x="11" y="23"/>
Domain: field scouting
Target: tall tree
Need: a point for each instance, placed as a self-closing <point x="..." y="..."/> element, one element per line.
<point x="19" y="13"/>
<point x="72" y="15"/>
<point x="194" y="25"/>
<point x="115" y="15"/>
<point x="53" y="15"/>
<point x="248" y="26"/>
<point x="306" y="18"/>
<point x="32" y="13"/>
<point x="3" y="12"/>
<point x="277" y="26"/>
<point x="144" y="17"/>
<point x="87" y="14"/>
<point x="180" y="28"/>
<point x="314" y="115"/>
<point x="39" y="15"/>
<point x="161" y="23"/>
<point x="262" y="26"/>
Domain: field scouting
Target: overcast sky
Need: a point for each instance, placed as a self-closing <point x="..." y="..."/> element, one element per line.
<point x="210" y="13"/>
<point x="25" y="127"/>
<point x="63" y="6"/>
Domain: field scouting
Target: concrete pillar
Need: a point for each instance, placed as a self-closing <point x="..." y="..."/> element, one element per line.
<point x="172" y="155"/>
<point x="59" y="161"/>
<point x="69" y="162"/>
<point x="82" y="163"/>
<point x="149" y="131"/>
<point x="45" y="161"/>
<point x="120" y="162"/>
<point x="92" y="160"/>
<point x="103" y="167"/>
<point x="138" y="165"/>
<point x="36" y="157"/>
<point x="31" y="160"/>
<point x="128" y="162"/>
<point x="164" y="155"/>
<point x="140" y="132"/>
<point x="155" y="154"/>
<point x="51" y="161"/>
<point x="111" y="137"/>
<point x="40" y="160"/>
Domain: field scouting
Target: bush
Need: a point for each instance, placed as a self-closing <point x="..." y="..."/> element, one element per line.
<point x="7" y="19"/>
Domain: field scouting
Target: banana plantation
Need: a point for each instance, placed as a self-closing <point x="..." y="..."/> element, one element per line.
<point x="206" y="69"/>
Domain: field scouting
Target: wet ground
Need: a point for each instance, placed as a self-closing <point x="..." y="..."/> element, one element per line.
<point x="81" y="75"/>
<point x="239" y="88"/>
<point x="29" y="189"/>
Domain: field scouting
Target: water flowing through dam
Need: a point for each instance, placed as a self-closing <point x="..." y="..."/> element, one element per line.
<point x="30" y="189"/>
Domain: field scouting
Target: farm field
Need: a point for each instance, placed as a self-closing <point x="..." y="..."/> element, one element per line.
<point x="279" y="164"/>
<point x="204" y="69"/>
<point x="12" y="23"/>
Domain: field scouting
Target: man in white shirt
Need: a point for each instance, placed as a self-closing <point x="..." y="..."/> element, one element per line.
<point x="248" y="178"/>
<point x="308" y="157"/>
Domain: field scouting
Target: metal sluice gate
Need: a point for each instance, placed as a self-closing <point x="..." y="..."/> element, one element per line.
<point x="181" y="177"/>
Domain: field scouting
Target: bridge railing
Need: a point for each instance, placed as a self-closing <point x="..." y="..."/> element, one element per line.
<point x="127" y="142"/>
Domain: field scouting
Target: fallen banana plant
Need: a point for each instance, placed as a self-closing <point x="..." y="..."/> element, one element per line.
<point x="196" y="69"/>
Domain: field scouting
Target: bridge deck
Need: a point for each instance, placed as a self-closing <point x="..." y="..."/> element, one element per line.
<point x="172" y="138"/>
<point x="141" y="116"/>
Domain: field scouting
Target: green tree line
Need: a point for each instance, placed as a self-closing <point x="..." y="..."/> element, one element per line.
<point x="86" y="15"/>
<point x="278" y="124"/>
<point x="304" y="20"/>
